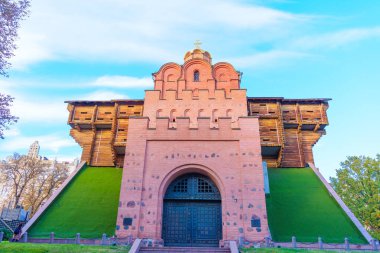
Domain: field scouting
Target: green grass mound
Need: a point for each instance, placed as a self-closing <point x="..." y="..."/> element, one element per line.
<point x="300" y="205"/>
<point x="87" y="206"/>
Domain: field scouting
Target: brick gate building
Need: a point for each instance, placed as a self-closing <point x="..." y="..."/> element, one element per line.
<point x="195" y="121"/>
<point x="193" y="152"/>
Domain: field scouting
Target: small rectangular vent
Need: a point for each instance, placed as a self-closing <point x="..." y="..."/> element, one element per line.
<point x="127" y="221"/>
<point x="255" y="223"/>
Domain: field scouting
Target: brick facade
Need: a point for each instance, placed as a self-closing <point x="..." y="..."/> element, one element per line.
<point x="192" y="125"/>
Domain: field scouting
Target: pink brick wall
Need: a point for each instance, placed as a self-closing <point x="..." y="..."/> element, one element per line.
<point x="230" y="157"/>
<point x="192" y="127"/>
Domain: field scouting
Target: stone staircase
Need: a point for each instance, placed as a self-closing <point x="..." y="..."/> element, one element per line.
<point x="183" y="250"/>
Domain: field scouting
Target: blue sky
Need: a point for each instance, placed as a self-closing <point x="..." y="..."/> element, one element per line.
<point x="108" y="49"/>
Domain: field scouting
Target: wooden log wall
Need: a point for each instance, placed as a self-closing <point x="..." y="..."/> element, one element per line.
<point x="293" y="126"/>
<point x="270" y="135"/>
<point x="104" y="114"/>
<point x="85" y="139"/>
<point x="288" y="128"/>
<point x="101" y="129"/>
<point x="292" y="155"/>
<point x="103" y="153"/>
<point x="121" y="132"/>
<point x="309" y="138"/>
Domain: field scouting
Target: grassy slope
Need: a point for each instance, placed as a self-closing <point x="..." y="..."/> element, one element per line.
<point x="87" y="206"/>
<point x="299" y="205"/>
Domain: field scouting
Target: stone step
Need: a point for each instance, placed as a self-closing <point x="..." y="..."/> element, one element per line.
<point x="183" y="250"/>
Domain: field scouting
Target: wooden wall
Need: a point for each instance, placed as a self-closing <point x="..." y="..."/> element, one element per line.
<point x="289" y="128"/>
<point x="101" y="129"/>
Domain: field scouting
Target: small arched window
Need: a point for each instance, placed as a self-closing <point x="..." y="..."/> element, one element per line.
<point x="196" y="76"/>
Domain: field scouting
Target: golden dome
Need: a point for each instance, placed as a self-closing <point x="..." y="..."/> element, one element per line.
<point x="197" y="53"/>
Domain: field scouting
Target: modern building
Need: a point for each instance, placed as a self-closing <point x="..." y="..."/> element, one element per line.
<point x="34" y="150"/>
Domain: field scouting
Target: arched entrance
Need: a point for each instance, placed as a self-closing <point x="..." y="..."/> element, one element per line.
<point x="192" y="214"/>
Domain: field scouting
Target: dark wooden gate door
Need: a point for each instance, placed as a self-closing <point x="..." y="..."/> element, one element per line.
<point x="192" y="212"/>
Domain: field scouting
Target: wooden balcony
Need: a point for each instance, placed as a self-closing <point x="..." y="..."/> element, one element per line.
<point x="121" y="133"/>
<point x="124" y="111"/>
<point x="82" y="116"/>
<point x="313" y="117"/>
<point x="290" y="115"/>
<point x="271" y="138"/>
<point x="264" y="110"/>
<point x="104" y="117"/>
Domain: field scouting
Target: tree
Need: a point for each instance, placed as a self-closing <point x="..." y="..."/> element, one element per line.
<point x="30" y="181"/>
<point x="6" y="118"/>
<point x="358" y="184"/>
<point x="42" y="187"/>
<point x="11" y="13"/>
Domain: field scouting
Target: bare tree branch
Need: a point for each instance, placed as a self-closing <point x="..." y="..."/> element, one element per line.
<point x="11" y="13"/>
<point x="31" y="181"/>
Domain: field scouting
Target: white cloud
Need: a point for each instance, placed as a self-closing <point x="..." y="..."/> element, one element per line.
<point x="123" y="82"/>
<point x="103" y="95"/>
<point x="127" y="30"/>
<point x="11" y="132"/>
<point x="31" y="49"/>
<point x="265" y="59"/>
<point x="46" y="111"/>
<point x="52" y="142"/>
<point x="335" y="39"/>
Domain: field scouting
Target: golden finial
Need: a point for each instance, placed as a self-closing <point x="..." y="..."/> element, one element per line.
<point x="197" y="44"/>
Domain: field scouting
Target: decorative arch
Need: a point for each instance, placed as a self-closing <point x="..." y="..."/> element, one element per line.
<point x="201" y="113"/>
<point x="198" y="64"/>
<point x="229" y="113"/>
<point x="186" y="113"/>
<point x="192" y="186"/>
<point x="170" y="78"/>
<point x="191" y="189"/>
<point x="186" y="169"/>
<point x="222" y="77"/>
<point x="159" y="75"/>
<point x="196" y="76"/>
<point x="215" y="115"/>
<point x="159" y="113"/>
<point x="225" y="67"/>
<point x="173" y="115"/>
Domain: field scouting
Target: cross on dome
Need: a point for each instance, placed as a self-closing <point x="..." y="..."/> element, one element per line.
<point x="197" y="44"/>
<point x="197" y="53"/>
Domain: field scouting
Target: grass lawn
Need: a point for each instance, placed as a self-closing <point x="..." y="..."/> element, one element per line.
<point x="299" y="205"/>
<point x="6" y="247"/>
<point x="87" y="206"/>
<point x="282" y="250"/>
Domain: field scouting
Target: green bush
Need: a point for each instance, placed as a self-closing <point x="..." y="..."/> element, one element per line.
<point x="7" y="234"/>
